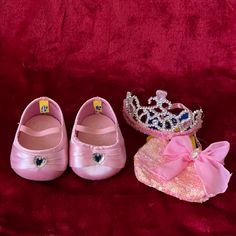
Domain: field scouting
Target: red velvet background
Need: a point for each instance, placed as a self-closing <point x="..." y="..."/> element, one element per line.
<point x="72" y="50"/>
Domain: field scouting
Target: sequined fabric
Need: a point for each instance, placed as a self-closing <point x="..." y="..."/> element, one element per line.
<point x="187" y="186"/>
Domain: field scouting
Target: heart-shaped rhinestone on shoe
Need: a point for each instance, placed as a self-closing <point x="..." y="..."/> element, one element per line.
<point x="98" y="157"/>
<point x="40" y="161"/>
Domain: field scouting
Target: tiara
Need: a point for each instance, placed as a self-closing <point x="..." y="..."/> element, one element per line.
<point x="161" y="117"/>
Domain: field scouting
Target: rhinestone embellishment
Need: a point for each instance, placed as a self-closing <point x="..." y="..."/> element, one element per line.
<point x="158" y="114"/>
<point x="98" y="157"/>
<point x="195" y="154"/>
<point x="40" y="161"/>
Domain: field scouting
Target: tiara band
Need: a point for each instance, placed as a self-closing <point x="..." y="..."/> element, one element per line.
<point x="157" y="119"/>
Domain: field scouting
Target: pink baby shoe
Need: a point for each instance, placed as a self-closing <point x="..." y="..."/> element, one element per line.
<point x="40" y="148"/>
<point x="97" y="149"/>
<point x="173" y="161"/>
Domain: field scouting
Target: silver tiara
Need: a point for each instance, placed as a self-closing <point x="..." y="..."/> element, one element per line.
<point x="161" y="114"/>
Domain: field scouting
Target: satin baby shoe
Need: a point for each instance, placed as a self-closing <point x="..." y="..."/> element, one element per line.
<point x="173" y="160"/>
<point x="40" y="148"/>
<point x="97" y="149"/>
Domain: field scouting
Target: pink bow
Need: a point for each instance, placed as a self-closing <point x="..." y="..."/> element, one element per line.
<point x="207" y="163"/>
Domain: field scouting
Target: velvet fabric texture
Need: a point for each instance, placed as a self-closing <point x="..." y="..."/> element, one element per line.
<point x="74" y="50"/>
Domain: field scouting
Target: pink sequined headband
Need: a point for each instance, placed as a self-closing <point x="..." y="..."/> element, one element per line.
<point x="159" y="119"/>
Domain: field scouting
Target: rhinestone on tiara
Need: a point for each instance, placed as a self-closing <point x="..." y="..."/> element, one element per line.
<point x="161" y="115"/>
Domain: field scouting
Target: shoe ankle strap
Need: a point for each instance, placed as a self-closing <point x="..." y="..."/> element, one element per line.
<point x="41" y="133"/>
<point x="89" y="130"/>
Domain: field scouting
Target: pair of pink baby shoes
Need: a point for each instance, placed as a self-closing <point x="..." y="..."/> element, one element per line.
<point x="40" y="147"/>
<point x="173" y="161"/>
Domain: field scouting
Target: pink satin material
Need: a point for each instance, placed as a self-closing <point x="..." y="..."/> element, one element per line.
<point x="82" y="156"/>
<point x="208" y="163"/>
<point x="89" y="130"/>
<point x="22" y="159"/>
<point x="25" y="160"/>
<point x="42" y="133"/>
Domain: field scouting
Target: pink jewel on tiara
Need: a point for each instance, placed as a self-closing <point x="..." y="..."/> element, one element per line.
<point x="161" y="117"/>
